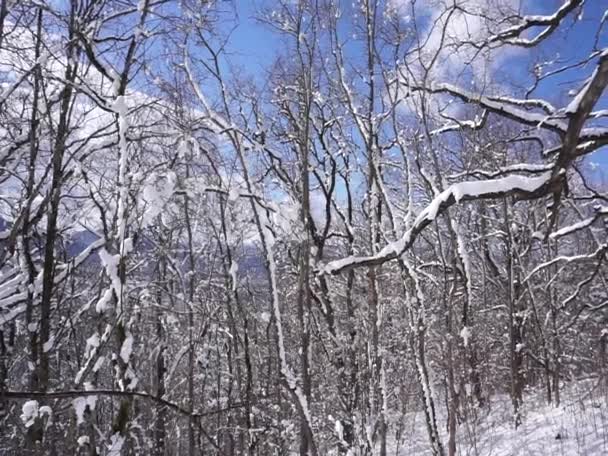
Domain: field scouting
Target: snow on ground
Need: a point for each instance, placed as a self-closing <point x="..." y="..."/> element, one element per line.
<point x="579" y="427"/>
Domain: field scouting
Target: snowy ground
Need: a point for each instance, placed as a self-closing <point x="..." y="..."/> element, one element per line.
<point x="578" y="427"/>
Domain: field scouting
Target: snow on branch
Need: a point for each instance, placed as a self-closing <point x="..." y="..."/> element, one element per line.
<point x="514" y="109"/>
<point x="580" y="109"/>
<point x="521" y="186"/>
<point x="473" y="125"/>
<point x="598" y="253"/>
<point x="499" y="105"/>
<point x="601" y="211"/>
<point x="512" y="35"/>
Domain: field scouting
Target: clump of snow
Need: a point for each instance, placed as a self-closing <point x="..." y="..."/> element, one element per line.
<point x="29" y="413"/>
<point x="459" y="192"/>
<point x="83" y="440"/>
<point x="45" y="410"/>
<point x="234" y="268"/>
<point x="104" y="302"/>
<point x="111" y="263"/>
<point x="127" y="348"/>
<point x="157" y="192"/>
<point x="92" y="343"/>
<point x="116" y="443"/>
<point x="80" y="406"/>
<point x="31" y="410"/>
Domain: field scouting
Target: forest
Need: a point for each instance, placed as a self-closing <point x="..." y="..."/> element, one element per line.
<point x="303" y="227"/>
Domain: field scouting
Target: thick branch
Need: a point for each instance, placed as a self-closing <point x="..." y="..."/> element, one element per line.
<point x="523" y="188"/>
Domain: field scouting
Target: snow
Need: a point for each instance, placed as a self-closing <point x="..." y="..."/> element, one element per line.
<point x="465" y="334"/>
<point x="83" y="440"/>
<point x="92" y="348"/>
<point x="234" y="268"/>
<point x="568" y="259"/>
<point x="111" y="263"/>
<point x="31" y="410"/>
<point x="268" y="240"/>
<point x="80" y="405"/>
<point x="9" y="287"/>
<point x="512" y="35"/>
<point x="459" y="191"/>
<point x="29" y="413"/>
<point x="116" y="443"/>
<point x="579" y="427"/>
<point x="48" y="345"/>
<point x="13" y="313"/>
<point x="579" y="225"/>
<point x="104" y="302"/>
<point x="156" y="194"/>
<point x="476" y="188"/>
<point x="505" y="108"/>
<point x="91" y="344"/>
<point x="99" y="363"/>
<point x="127" y="348"/>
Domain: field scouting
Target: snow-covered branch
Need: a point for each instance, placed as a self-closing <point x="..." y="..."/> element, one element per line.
<point x="514" y="185"/>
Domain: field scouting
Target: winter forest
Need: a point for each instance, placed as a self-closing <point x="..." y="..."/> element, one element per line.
<point x="312" y="227"/>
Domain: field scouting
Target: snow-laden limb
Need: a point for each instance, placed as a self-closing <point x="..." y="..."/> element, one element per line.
<point x="510" y="108"/>
<point x="580" y="108"/>
<point x="598" y="253"/>
<point x="176" y="360"/>
<point x="504" y="170"/>
<point x="527" y="103"/>
<point x="514" y="109"/>
<point x="601" y="211"/>
<point x="513" y="35"/>
<point x="521" y="186"/>
<point x="473" y="125"/>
